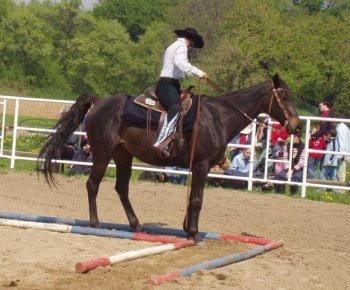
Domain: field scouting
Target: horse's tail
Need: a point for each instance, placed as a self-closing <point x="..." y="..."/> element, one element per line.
<point x="65" y="127"/>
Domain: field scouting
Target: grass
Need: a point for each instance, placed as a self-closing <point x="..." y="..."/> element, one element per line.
<point x="313" y="194"/>
<point x="25" y="121"/>
<point x="328" y="196"/>
<point x="20" y="89"/>
<point x="28" y="144"/>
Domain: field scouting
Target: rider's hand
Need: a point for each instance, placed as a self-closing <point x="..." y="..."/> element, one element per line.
<point x="204" y="76"/>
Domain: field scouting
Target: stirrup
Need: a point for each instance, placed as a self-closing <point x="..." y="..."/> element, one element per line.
<point x="162" y="152"/>
<point x="165" y="153"/>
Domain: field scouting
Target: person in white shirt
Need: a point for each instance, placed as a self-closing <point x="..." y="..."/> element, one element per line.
<point x="343" y="138"/>
<point x="175" y="67"/>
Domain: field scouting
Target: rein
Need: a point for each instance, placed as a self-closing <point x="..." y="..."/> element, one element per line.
<point x="275" y="94"/>
<point x="193" y="146"/>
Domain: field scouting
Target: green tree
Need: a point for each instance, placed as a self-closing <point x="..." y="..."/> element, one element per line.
<point x="5" y="7"/>
<point x="247" y="51"/>
<point x="135" y="15"/>
<point x="100" y="60"/>
<point x="148" y="55"/>
<point x="203" y="15"/>
<point x="63" y="17"/>
<point x="21" y="54"/>
<point x="312" y="6"/>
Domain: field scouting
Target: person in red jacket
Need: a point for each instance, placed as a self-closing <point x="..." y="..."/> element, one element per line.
<point x="278" y="132"/>
<point x="315" y="159"/>
<point x="326" y="112"/>
<point x="279" y="135"/>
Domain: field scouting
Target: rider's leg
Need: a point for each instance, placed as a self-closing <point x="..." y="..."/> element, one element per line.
<point x="168" y="91"/>
<point x="169" y="124"/>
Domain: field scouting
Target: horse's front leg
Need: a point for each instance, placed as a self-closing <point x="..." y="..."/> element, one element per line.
<point x="199" y="176"/>
<point x="123" y="161"/>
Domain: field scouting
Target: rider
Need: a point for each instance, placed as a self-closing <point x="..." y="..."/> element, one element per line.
<point x="175" y="67"/>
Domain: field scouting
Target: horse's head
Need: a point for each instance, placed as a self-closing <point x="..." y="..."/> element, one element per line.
<point x="281" y="107"/>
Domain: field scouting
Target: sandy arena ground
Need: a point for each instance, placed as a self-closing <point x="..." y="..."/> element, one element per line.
<point x="36" y="109"/>
<point x="315" y="254"/>
<point x="316" y="236"/>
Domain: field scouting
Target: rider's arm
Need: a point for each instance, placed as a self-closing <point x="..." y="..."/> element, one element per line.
<point x="181" y="61"/>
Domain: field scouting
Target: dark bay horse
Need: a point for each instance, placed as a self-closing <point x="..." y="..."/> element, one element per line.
<point x="110" y="136"/>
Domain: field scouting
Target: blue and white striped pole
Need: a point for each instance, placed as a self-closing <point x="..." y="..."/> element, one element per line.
<point x="220" y="262"/>
<point x="122" y="227"/>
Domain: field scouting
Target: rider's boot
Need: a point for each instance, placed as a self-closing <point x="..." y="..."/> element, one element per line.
<point x="167" y="129"/>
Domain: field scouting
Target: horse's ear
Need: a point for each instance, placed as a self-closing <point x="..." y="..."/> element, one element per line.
<point x="276" y="81"/>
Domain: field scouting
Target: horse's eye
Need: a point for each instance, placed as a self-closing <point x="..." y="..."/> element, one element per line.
<point x="284" y="97"/>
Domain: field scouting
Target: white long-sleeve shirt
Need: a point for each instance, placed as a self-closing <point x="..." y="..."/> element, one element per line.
<point x="175" y="62"/>
<point x="343" y="137"/>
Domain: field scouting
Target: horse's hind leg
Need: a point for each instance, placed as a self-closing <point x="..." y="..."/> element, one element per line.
<point x="93" y="183"/>
<point x="123" y="161"/>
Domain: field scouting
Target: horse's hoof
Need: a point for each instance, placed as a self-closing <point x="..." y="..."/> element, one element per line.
<point x="194" y="237"/>
<point x="138" y="228"/>
<point x="95" y="225"/>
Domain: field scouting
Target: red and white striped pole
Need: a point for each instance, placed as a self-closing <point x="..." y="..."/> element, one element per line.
<point x="86" y="266"/>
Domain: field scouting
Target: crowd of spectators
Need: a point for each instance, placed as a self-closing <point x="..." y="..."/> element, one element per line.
<point x="331" y="137"/>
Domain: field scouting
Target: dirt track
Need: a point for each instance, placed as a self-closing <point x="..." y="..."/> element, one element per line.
<point x="36" y="109"/>
<point x="315" y="254"/>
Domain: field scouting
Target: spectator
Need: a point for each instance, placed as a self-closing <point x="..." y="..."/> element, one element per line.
<point x="176" y="178"/>
<point x="296" y="168"/>
<point x="261" y="137"/>
<point x="241" y="163"/>
<point x="153" y="176"/>
<point x="329" y="169"/>
<point x="84" y="153"/>
<point x="325" y="112"/>
<point x="68" y="149"/>
<point x="218" y="169"/>
<point x="343" y="138"/>
<point x="279" y="135"/>
<point x="243" y="138"/>
<point x="278" y="154"/>
<point x="315" y="159"/>
<point x="81" y="155"/>
<point x="240" y="167"/>
<point x="72" y="139"/>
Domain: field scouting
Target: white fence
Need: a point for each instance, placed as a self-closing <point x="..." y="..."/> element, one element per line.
<point x="13" y="153"/>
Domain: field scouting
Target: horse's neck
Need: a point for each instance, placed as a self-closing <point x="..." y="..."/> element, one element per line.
<point x="243" y="107"/>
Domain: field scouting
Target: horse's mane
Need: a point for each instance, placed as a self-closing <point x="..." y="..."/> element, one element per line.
<point x="247" y="91"/>
<point x="237" y="94"/>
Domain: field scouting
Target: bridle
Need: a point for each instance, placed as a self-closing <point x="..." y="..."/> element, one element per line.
<point x="275" y="95"/>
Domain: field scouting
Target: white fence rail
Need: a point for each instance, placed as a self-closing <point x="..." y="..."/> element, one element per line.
<point x="21" y="101"/>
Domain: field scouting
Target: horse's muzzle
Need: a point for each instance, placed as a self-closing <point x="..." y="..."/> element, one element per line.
<point x="294" y="126"/>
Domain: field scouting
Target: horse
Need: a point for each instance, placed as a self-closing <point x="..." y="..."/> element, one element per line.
<point x="112" y="137"/>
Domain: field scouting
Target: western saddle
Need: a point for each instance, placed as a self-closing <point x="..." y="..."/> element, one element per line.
<point x="151" y="102"/>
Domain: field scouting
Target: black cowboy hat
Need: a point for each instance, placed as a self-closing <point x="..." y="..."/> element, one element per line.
<point x="191" y="34"/>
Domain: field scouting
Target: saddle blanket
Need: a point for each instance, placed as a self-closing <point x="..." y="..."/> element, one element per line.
<point x="137" y="115"/>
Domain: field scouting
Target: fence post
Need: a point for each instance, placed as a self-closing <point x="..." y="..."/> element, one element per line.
<point x="306" y="160"/>
<point x="14" y="135"/>
<point x="251" y="160"/>
<point x="3" y="126"/>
